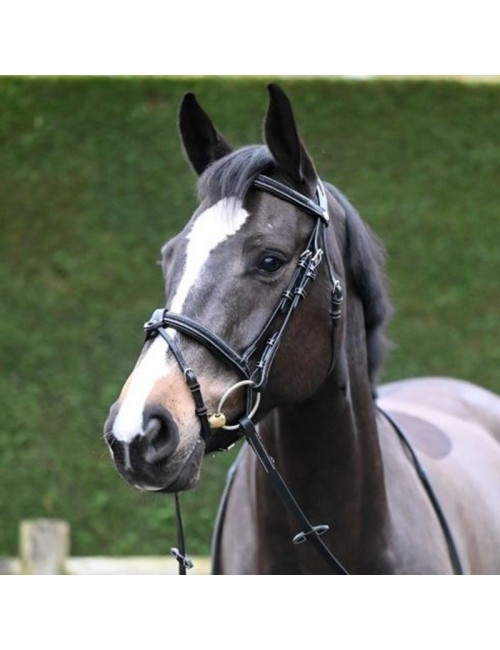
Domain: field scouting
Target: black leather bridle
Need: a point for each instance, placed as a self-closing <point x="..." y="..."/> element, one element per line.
<point x="268" y="341"/>
<point x="266" y="344"/>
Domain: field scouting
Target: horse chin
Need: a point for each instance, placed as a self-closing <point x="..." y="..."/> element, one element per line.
<point x="169" y="477"/>
<point x="189" y="474"/>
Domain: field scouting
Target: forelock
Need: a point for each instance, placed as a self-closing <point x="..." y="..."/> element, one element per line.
<point x="234" y="174"/>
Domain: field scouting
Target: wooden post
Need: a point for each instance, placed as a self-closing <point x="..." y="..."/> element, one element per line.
<point x="44" y="546"/>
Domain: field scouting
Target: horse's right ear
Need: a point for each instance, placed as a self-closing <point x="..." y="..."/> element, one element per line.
<point x="202" y="142"/>
<point x="283" y="139"/>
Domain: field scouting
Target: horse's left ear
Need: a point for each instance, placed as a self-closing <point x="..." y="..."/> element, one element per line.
<point x="202" y="142"/>
<point x="283" y="140"/>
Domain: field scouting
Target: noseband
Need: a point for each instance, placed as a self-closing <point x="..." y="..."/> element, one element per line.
<point x="216" y="433"/>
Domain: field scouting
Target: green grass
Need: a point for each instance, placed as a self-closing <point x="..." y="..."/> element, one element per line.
<point x="93" y="181"/>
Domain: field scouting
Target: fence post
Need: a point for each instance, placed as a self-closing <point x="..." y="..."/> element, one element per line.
<point x="44" y="546"/>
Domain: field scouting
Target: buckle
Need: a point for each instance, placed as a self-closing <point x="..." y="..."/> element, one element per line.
<point x="182" y="559"/>
<point x="155" y="321"/>
<point x="302" y="537"/>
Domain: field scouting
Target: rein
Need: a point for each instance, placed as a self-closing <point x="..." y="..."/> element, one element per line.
<point x="422" y="475"/>
<point x="220" y="436"/>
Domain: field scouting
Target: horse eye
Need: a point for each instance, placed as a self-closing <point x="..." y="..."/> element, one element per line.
<point x="270" y="264"/>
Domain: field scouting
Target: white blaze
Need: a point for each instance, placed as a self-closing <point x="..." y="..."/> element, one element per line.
<point x="211" y="228"/>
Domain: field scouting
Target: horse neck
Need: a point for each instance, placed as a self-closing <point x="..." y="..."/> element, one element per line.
<point x="328" y="452"/>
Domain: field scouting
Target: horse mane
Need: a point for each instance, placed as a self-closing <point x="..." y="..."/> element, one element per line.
<point x="364" y="261"/>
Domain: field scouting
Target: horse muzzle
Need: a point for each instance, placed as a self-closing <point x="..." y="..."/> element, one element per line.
<point x="155" y="459"/>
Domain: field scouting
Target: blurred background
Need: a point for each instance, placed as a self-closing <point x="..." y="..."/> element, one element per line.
<point x="93" y="181"/>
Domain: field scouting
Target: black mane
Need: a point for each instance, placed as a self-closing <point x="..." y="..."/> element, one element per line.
<point x="365" y="262"/>
<point x="233" y="175"/>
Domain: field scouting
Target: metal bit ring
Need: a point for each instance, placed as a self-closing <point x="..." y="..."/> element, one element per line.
<point x="245" y="382"/>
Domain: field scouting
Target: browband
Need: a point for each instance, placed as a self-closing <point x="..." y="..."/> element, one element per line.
<point x="281" y="191"/>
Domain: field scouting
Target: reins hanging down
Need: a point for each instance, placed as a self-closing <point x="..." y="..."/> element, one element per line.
<point x="309" y="533"/>
<point x="179" y="551"/>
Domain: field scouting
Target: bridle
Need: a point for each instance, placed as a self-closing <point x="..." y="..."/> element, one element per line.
<point x="217" y="434"/>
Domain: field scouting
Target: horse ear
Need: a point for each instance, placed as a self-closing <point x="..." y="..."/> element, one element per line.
<point x="202" y="142"/>
<point x="283" y="140"/>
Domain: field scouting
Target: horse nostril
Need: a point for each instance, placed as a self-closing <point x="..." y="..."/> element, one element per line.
<point x="161" y="439"/>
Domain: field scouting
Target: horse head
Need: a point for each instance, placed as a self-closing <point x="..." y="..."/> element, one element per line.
<point x="227" y="274"/>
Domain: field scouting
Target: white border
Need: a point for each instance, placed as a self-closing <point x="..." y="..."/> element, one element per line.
<point x="255" y="611"/>
<point x="360" y="38"/>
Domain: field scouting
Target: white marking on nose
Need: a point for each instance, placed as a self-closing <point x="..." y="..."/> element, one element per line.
<point x="211" y="228"/>
<point x="151" y="367"/>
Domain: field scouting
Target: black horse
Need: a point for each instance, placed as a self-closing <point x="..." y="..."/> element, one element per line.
<point x="276" y="305"/>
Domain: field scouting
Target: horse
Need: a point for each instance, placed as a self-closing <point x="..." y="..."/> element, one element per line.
<point x="274" y="330"/>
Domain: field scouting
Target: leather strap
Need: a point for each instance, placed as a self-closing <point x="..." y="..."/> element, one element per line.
<point x="308" y="533"/>
<point x="452" y="549"/>
<point x="201" y="334"/>
<point x="157" y="327"/>
<point x="282" y="191"/>
<point x="179" y="551"/>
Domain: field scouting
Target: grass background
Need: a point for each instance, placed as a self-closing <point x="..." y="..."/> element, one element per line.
<point x="93" y="181"/>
